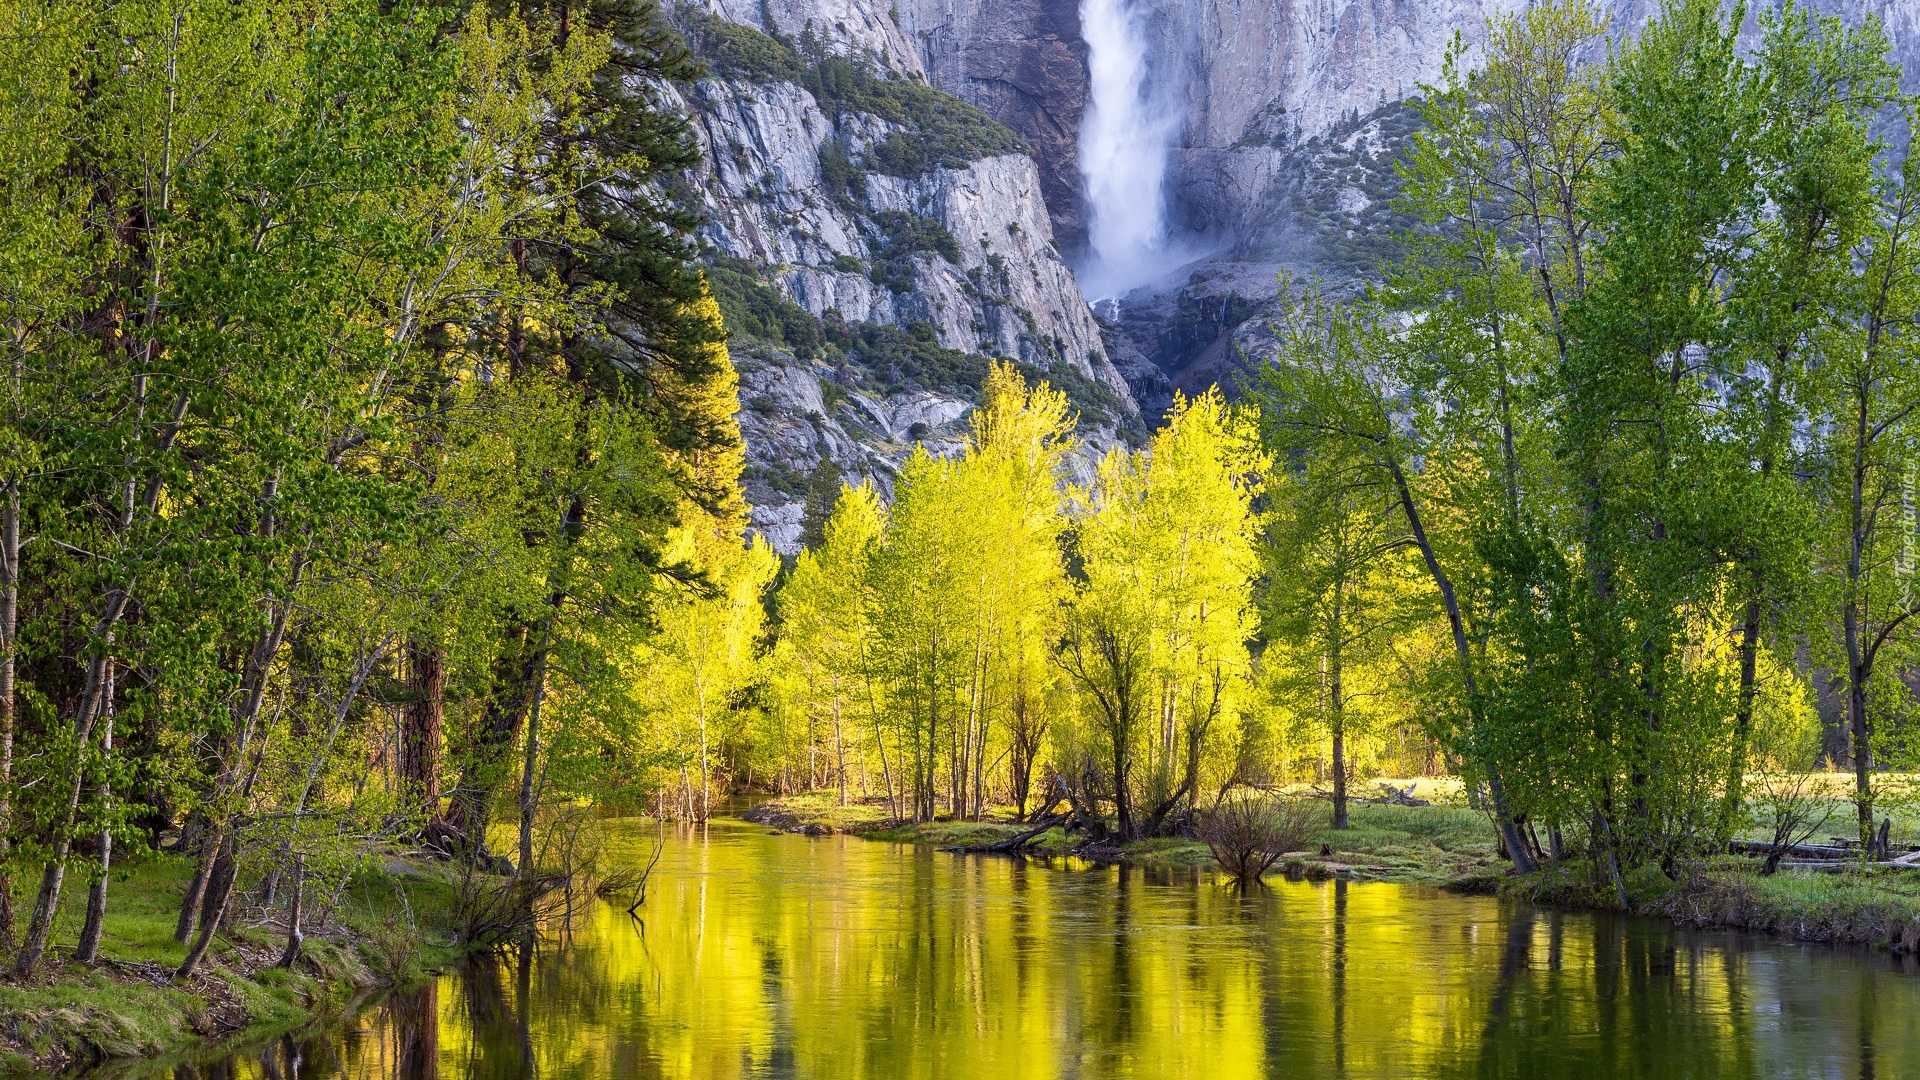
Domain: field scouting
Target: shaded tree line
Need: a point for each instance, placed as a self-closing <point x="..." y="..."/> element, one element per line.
<point x="362" y="417"/>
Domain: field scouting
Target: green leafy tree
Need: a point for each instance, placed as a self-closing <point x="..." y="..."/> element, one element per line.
<point x="1157" y="629"/>
<point x="823" y="621"/>
<point x="1340" y="592"/>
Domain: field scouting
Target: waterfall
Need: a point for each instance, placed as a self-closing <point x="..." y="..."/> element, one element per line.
<point x="1124" y="139"/>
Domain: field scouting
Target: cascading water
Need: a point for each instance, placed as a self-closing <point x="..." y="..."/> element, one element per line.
<point x="1124" y="139"/>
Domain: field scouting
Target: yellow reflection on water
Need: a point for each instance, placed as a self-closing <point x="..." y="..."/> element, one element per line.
<point x="782" y="956"/>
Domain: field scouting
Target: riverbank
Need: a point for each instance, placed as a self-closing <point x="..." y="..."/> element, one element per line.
<point x="1454" y="848"/>
<point x="1876" y="909"/>
<point x="1443" y="845"/>
<point x="391" y="926"/>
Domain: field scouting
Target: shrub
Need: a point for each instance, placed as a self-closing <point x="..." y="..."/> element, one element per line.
<point x="1249" y="834"/>
<point x="489" y="910"/>
<point x="741" y="52"/>
<point x="755" y="310"/>
<point x="903" y="236"/>
<point x="899" y="359"/>
<point x="844" y="180"/>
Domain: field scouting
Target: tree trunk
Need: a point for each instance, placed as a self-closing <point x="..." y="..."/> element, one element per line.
<point x="295" y="936"/>
<point x="213" y="910"/>
<point x="979" y="807"/>
<point x="232" y="785"/>
<point x="47" y="901"/>
<point x="1024" y="736"/>
<point x="225" y="870"/>
<point x="886" y="774"/>
<point x="839" y="751"/>
<point x="197" y="886"/>
<point x="470" y="807"/>
<point x="1860" y="732"/>
<point x="1463" y="654"/>
<point x="1605" y="835"/>
<point x="88" y="950"/>
<point x="420" y="735"/>
<point x="1337" y="718"/>
<point x="1859" y="666"/>
<point x="221" y="878"/>
<point x="1742" y="719"/>
<point x="1859" y="661"/>
<point x="1122" y="752"/>
<point x="529" y="762"/>
<point x="9" y="623"/>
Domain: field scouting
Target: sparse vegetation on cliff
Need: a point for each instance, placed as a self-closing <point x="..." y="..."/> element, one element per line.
<point x="933" y="128"/>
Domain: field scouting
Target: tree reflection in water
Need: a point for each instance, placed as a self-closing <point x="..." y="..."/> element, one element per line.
<point x="839" y="959"/>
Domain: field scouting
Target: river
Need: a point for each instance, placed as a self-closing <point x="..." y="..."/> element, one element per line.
<point x="833" y="958"/>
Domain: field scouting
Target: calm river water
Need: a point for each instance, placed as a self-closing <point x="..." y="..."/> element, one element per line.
<point x="837" y="959"/>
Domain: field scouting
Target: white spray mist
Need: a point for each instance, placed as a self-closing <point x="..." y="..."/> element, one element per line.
<point x="1124" y="139"/>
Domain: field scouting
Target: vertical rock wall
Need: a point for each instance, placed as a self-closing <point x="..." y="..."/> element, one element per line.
<point x="902" y="280"/>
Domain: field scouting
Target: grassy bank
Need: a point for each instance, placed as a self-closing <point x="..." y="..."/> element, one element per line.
<point x="390" y="926"/>
<point x="1384" y="843"/>
<point x="1873" y="908"/>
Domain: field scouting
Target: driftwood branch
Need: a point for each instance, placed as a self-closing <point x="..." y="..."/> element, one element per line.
<point x="1026" y="836"/>
<point x="1803" y="851"/>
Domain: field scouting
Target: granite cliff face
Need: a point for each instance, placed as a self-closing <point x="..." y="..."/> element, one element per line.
<point x="1254" y="76"/>
<point x="844" y="26"/>
<point x="1024" y="62"/>
<point x="874" y="244"/>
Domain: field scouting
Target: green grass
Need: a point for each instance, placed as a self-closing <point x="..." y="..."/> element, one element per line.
<point x="822" y="808"/>
<point x="1875" y="908"/>
<point x="1408" y="843"/>
<point x="1168" y="851"/>
<point x="128" y="1007"/>
<point x="141" y="909"/>
<point x="1897" y="796"/>
<point x="1384" y="842"/>
<point x="946" y="833"/>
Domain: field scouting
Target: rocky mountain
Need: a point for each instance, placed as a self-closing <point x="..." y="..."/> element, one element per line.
<point x="1296" y="113"/>
<point x="875" y="243"/>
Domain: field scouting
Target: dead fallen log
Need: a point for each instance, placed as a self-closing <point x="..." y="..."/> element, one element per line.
<point x="1396" y="797"/>
<point x="1831" y="866"/>
<point x="1021" y="839"/>
<point x="1807" y="851"/>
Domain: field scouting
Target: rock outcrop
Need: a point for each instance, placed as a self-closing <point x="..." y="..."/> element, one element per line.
<point x="1023" y="61"/>
<point x="845" y="26"/>
<point x="874" y="244"/>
